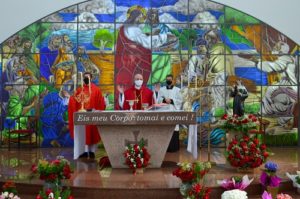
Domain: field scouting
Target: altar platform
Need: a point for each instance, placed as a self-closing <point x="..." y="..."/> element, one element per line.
<point x="89" y="182"/>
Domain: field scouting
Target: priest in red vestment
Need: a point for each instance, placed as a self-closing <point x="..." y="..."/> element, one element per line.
<point x="138" y="93"/>
<point x="95" y="101"/>
<point x="133" y="48"/>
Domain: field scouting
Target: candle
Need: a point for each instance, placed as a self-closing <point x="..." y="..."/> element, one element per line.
<point x="81" y="79"/>
<point x="90" y="89"/>
<point x="188" y="78"/>
<point x="75" y="82"/>
<point x="181" y="81"/>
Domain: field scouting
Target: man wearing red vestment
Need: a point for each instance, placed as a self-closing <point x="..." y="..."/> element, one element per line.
<point x="95" y="101"/>
<point x="133" y="48"/>
<point x="138" y="93"/>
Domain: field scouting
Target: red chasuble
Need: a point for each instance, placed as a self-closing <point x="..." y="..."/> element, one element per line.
<point x="96" y="102"/>
<point x="131" y="58"/>
<point x="144" y="95"/>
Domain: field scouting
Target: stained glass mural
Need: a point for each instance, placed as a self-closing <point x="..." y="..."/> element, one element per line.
<point x="206" y="46"/>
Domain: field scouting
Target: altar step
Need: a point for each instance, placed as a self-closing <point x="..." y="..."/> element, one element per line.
<point x="29" y="191"/>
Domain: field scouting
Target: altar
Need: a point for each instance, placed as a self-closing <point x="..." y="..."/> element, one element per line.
<point x="120" y="128"/>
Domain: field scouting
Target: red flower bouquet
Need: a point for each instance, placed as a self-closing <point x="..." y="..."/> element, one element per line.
<point x="246" y="152"/>
<point x="55" y="194"/>
<point x="191" y="172"/>
<point x="240" y="124"/>
<point x="53" y="171"/>
<point x="198" y="191"/>
<point x="136" y="156"/>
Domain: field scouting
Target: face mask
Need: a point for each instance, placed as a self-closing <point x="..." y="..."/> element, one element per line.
<point x="138" y="83"/>
<point x="86" y="80"/>
<point x="169" y="82"/>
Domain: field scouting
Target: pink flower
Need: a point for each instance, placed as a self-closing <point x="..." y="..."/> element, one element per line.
<point x="266" y="195"/>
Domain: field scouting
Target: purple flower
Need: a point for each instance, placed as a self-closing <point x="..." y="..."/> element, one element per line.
<point x="269" y="180"/>
<point x="271" y="167"/>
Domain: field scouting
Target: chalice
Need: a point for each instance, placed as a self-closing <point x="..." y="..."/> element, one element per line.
<point x="131" y="103"/>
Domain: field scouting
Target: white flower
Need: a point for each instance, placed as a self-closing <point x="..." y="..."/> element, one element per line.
<point x="16" y="197"/>
<point x="5" y="194"/>
<point x="126" y="148"/>
<point x="51" y="196"/>
<point x="234" y="194"/>
<point x="142" y="160"/>
<point x="131" y="160"/>
<point x="59" y="197"/>
<point x="11" y="195"/>
<point x="139" y="155"/>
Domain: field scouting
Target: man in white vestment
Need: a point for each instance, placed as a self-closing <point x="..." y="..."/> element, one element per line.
<point x="171" y="95"/>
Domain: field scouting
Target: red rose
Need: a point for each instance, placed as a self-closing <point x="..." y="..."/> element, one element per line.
<point x="197" y="188"/>
<point x="225" y="116"/>
<point x="256" y="141"/>
<point x="246" y="138"/>
<point x="263" y="147"/>
<point x="245" y="121"/>
<point x="34" y="168"/>
<point x="48" y="191"/>
<point x="70" y="197"/>
<point x="265" y="154"/>
<point x="38" y="197"/>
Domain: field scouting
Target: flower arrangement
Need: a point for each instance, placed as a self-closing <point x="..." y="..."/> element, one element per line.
<point x="191" y="172"/>
<point x="268" y="176"/>
<point x="191" y="175"/>
<point x="246" y="152"/>
<point x="267" y="195"/>
<point x="197" y="191"/>
<point x="136" y="156"/>
<point x="55" y="194"/>
<point x="9" y="191"/>
<point x="53" y="171"/>
<point x="236" y="182"/>
<point x="240" y="124"/>
<point x="234" y="194"/>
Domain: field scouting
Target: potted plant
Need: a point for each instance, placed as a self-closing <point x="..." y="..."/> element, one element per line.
<point x="9" y="191"/>
<point x="269" y="179"/>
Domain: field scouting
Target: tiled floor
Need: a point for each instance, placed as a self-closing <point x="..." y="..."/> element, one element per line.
<point x="15" y="164"/>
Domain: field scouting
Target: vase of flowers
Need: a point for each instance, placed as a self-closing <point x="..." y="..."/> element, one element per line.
<point x="137" y="157"/>
<point x="53" y="173"/>
<point x="237" y="126"/>
<point x="9" y="191"/>
<point x="269" y="179"/>
<point x="235" y="182"/>
<point x="191" y="175"/>
<point x="246" y="152"/>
